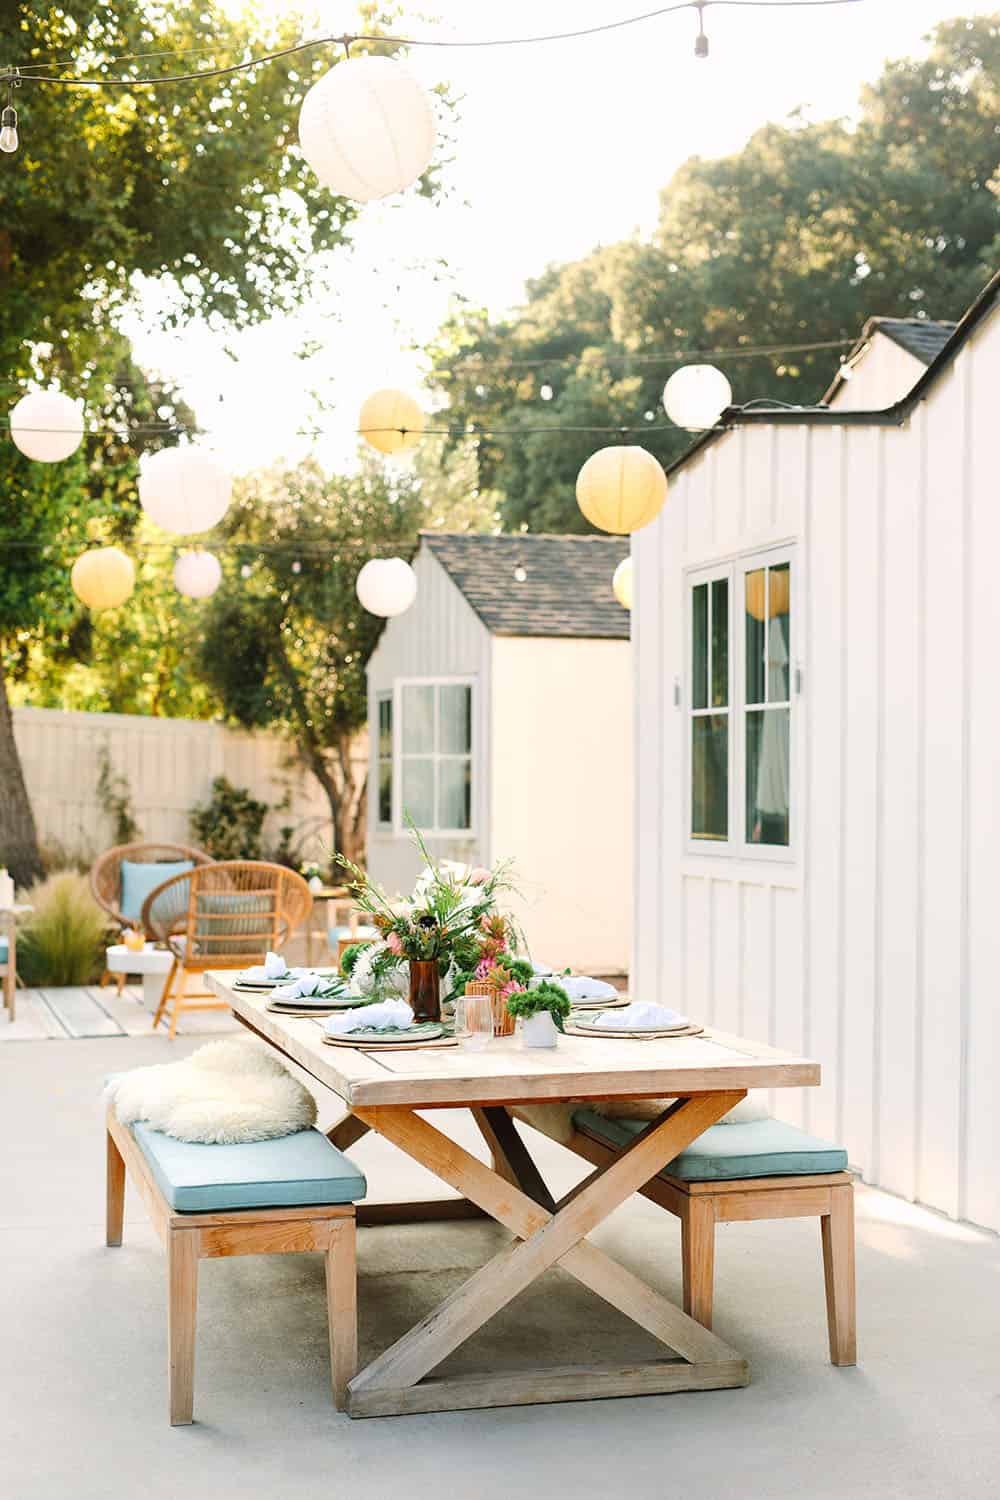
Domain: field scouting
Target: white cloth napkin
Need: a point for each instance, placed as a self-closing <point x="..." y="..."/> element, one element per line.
<point x="579" y="987"/>
<point x="273" y="967"/>
<point x="385" y="1015"/>
<point x="303" y="984"/>
<point x="639" y="1015"/>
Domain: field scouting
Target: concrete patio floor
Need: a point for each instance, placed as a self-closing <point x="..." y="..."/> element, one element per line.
<point x="83" y="1396"/>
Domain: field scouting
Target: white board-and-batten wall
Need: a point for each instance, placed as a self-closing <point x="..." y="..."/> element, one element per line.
<point x="552" y="769"/>
<point x="876" y="947"/>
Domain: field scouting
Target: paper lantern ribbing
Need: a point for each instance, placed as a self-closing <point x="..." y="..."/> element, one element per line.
<point x="386" y="586"/>
<point x="367" y="128"/>
<point x="696" y="396"/>
<point x="197" y="574"/>
<point x="103" y="577"/>
<point x="779" y="600"/>
<point x="621" y="583"/>
<point x="184" y="490"/>
<point x="621" y="489"/>
<point x="47" y="426"/>
<point x="391" y="421"/>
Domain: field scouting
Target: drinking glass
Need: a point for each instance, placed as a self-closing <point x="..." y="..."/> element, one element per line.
<point x="478" y="1021"/>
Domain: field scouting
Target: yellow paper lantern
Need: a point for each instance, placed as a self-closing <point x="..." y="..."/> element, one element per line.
<point x="780" y="598"/>
<point x="103" y="577"/>
<point x="621" y="489"/>
<point x="621" y="583"/>
<point x="391" y="421"/>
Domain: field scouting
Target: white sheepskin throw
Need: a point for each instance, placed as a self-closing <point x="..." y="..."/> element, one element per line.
<point x="224" y="1094"/>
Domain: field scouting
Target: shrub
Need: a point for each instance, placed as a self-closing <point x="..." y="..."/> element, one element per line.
<point x="63" y="940"/>
<point x="229" y="825"/>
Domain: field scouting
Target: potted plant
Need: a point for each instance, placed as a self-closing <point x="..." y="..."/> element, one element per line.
<point x="542" y="1010"/>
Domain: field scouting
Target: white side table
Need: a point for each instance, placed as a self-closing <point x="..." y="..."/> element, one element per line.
<point x="152" y="963"/>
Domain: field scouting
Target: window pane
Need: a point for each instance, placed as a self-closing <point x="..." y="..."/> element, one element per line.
<point x="699" y="637"/>
<point x="418" y="720"/>
<point x="385" y="792"/>
<point x="767" y="771"/>
<point x="454" y="794"/>
<point x="755" y="608"/>
<point x="385" y="728"/>
<point x="710" y="776"/>
<point x="418" y="791"/>
<point x="779" y="649"/>
<point x="720" y="643"/>
<point x="455" y="710"/>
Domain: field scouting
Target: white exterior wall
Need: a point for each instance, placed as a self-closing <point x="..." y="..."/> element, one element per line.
<point x="877" y="950"/>
<point x="562" y="794"/>
<point x="884" y="374"/>
<point x="169" y="765"/>
<point x="439" y="636"/>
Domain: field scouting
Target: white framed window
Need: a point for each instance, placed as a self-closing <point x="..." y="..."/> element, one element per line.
<point x="739" y="706"/>
<point x="383" y="761"/>
<point x="434" y="754"/>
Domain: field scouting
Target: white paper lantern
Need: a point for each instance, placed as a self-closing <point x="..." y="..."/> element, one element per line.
<point x="386" y="586"/>
<point x="103" y="577"/>
<point x="696" y="396"/>
<point x="621" y="583"/>
<point x="197" y="574"/>
<point x="367" y="128"/>
<point x="47" y="426"/>
<point x="184" y="490"/>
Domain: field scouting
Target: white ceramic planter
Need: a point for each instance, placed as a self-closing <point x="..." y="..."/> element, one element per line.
<point x="539" y="1030"/>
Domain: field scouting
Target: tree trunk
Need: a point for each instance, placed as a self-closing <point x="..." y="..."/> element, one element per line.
<point x="18" y="835"/>
<point x="347" y="798"/>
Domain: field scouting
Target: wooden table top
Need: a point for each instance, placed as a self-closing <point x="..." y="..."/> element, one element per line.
<point x="579" y="1068"/>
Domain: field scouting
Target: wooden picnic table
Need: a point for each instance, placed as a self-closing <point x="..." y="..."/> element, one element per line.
<point x="704" y="1075"/>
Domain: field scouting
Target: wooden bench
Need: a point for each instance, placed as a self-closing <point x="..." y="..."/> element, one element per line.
<point x="299" y="1193"/>
<point x="791" y="1174"/>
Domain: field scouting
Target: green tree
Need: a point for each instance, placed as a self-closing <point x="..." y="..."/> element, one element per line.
<point x="797" y="238"/>
<point x="284" y="641"/>
<point x="201" y="183"/>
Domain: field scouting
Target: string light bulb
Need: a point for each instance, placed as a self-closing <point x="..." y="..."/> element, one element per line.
<point x="701" y="40"/>
<point x="8" y="117"/>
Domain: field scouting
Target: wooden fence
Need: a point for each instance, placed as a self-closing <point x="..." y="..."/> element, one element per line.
<point x="169" y="765"/>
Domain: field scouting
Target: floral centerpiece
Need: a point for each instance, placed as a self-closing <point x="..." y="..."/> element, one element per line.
<point x="448" y="928"/>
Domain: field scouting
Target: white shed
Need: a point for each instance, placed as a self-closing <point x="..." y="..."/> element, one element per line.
<point x="500" y="716"/>
<point x="818" y="717"/>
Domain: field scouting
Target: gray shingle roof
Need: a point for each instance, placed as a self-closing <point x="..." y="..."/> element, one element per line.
<point x="567" y="591"/>
<point x="918" y="336"/>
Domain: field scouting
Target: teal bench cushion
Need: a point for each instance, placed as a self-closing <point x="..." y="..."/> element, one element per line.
<point x="287" y="1173"/>
<point x="4" y="948"/>
<point x="760" y="1148"/>
<point x="139" y="879"/>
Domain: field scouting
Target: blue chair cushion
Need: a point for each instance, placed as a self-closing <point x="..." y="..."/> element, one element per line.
<point x="287" y="1173"/>
<point x="4" y="949"/>
<point x="139" y="880"/>
<point x="222" y="915"/>
<point x="760" y="1148"/>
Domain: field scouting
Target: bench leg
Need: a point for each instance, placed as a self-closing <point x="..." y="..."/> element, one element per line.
<point x="182" y="1309"/>
<point x="698" y="1257"/>
<point x="115" y="1195"/>
<point x="837" y="1229"/>
<point x="342" y="1307"/>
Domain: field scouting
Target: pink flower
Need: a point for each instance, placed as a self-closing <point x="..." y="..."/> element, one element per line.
<point x="394" y="943"/>
<point x="483" y="967"/>
<point x="479" y="875"/>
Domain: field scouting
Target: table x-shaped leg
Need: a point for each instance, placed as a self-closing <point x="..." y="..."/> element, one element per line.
<point x="395" y="1381"/>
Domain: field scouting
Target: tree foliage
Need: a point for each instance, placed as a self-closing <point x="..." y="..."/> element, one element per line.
<point x="201" y="184"/>
<point x="797" y="238"/>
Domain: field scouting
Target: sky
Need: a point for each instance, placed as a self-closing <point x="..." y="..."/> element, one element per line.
<point x="560" y="147"/>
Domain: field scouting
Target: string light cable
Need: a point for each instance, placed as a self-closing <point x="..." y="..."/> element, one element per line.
<point x="30" y="72"/>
